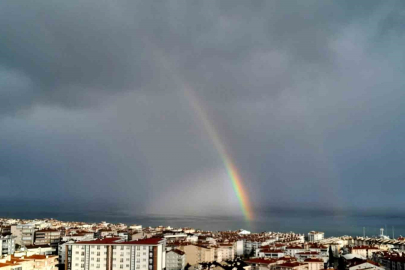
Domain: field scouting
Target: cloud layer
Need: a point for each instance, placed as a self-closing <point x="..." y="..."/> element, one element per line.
<point x="307" y="96"/>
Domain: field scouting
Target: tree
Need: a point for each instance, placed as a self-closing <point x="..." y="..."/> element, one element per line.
<point x="331" y="258"/>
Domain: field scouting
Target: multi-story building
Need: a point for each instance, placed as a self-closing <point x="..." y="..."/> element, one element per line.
<point x="175" y="260"/>
<point x="5" y="230"/>
<point x="7" y="245"/>
<point x="198" y="253"/>
<point x="24" y="233"/>
<point x="364" y="251"/>
<point x="115" y="254"/>
<point x="315" y="263"/>
<point x="314" y="236"/>
<point x="47" y="237"/>
<point x="225" y="252"/>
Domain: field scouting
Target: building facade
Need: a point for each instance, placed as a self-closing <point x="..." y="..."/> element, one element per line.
<point x="47" y="237"/>
<point x="24" y="233"/>
<point x="7" y="245"/>
<point x="114" y="254"/>
<point x="314" y="236"/>
<point x="175" y="260"/>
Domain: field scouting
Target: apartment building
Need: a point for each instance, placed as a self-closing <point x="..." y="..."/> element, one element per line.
<point x="198" y="253"/>
<point x="47" y="237"/>
<point x="364" y="251"/>
<point x="175" y="260"/>
<point x="314" y="236"/>
<point x="7" y="245"/>
<point x="25" y="233"/>
<point x="115" y="254"/>
<point x="225" y="252"/>
<point x="315" y="263"/>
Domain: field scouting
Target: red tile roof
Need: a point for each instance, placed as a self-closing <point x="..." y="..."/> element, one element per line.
<point x="308" y="253"/>
<point x="261" y="261"/>
<point x="291" y="264"/>
<point x="109" y="241"/>
<point x="104" y="241"/>
<point x="313" y="260"/>
<point x="147" y="241"/>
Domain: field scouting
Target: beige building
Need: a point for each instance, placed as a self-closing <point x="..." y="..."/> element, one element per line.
<point x="198" y="254"/>
<point x="364" y="251"/>
<point x="315" y="263"/>
<point x="225" y="252"/>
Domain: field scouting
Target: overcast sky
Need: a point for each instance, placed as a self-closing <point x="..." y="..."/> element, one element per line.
<point x="307" y="96"/>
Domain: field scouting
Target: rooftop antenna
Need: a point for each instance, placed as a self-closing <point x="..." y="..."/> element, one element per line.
<point x="393" y="234"/>
<point x="364" y="232"/>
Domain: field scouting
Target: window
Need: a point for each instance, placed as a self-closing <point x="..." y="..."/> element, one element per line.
<point x="92" y="252"/>
<point x="138" y="248"/>
<point x="98" y="253"/>
<point x="138" y="266"/>
<point x="98" y="247"/>
<point x="121" y="266"/>
<point x="92" y="265"/>
<point x="122" y="248"/>
<point x="127" y="265"/>
<point x="98" y="259"/>
<point x="121" y="260"/>
<point x="144" y="247"/>
<point x="77" y="252"/>
<point x="98" y="266"/>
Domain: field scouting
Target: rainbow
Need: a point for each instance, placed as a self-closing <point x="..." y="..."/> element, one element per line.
<point x="229" y="164"/>
<point x="231" y="169"/>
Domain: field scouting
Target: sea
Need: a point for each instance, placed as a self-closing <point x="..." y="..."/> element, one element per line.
<point x="302" y="221"/>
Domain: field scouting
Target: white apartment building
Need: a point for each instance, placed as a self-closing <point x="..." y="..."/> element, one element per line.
<point x="175" y="260"/>
<point x="7" y="245"/>
<point x="115" y="254"/>
<point x="315" y="236"/>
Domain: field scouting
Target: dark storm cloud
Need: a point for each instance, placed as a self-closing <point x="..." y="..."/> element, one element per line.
<point x="305" y="94"/>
